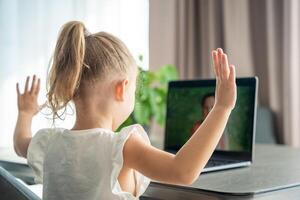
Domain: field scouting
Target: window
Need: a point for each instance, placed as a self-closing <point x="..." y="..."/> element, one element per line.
<point x="29" y="30"/>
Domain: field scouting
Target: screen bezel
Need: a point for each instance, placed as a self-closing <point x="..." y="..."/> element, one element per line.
<point x="244" y="81"/>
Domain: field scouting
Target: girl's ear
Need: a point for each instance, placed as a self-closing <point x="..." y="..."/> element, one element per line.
<point x="120" y="90"/>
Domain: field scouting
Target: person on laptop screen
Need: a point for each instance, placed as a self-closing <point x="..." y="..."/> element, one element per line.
<point x="207" y="104"/>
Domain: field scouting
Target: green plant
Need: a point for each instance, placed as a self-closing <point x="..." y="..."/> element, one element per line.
<point x="151" y="95"/>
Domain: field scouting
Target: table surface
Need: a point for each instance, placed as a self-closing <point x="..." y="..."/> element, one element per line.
<point x="283" y="158"/>
<point x="272" y="166"/>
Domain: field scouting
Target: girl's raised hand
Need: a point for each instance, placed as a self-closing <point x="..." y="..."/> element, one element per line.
<point x="225" y="84"/>
<point x="28" y="101"/>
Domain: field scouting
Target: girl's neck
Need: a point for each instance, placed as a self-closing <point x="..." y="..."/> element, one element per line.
<point x="85" y="122"/>
<point x="88" y="117"/>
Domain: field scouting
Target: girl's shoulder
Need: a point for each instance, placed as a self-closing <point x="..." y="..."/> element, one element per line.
<point x="121" y="137"/>
<point x="126" y="132"/>
<point x="117" y="158"/>
<point x="44" y="135"/>
<point x="48" y="132"/>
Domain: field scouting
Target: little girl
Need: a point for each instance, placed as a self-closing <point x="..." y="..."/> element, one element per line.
<point x="90" y="161"/>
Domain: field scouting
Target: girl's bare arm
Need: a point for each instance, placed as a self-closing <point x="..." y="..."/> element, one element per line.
<point x="27" y="108"/>
<point x="187" y="164"/>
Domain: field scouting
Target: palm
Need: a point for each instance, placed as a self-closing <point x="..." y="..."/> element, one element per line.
<point x="27" y="102"/>
<point x="225" y="75"/>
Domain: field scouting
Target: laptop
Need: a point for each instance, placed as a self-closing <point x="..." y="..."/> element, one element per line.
<point x="189" y="102"/>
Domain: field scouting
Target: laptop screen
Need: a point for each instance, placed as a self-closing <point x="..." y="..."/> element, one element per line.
<point x="188" y="104"/>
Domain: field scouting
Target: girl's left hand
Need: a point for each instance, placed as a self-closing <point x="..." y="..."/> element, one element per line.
<point x="28" y="101"/>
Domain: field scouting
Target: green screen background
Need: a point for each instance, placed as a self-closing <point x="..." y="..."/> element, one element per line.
<point x="184" y="108"/>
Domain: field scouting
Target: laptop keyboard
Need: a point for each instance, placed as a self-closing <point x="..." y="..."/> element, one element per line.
<point x="215" y="162"/>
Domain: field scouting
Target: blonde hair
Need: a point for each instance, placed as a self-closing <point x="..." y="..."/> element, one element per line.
<point x="81" y="57"/>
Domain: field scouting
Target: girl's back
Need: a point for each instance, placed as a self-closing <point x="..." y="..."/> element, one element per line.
<point x="83" y="164"/>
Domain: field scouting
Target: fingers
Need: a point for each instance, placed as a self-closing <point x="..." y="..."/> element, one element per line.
<point x="220" y="53"/>
<point x="37" y="90"/>
<point x="215" y="62"/>
<point x="217" y="59"/>
<point x="26" y="84"/>
<point x="34" y="88"/>
<point x="221" y="64"/>
<point x="33" y="85"/>
<point x="232" y="73"/>
<point x="225" y="67"/>
<point x="18" y="89"/>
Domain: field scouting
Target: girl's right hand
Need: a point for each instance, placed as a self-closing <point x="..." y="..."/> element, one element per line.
<point x="28" y="101"/>
<point x="225" y="81"/>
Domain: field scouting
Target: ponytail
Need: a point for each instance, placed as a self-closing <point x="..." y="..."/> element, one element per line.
<point x="67" y="65"/>
<point x="80" y="59"/>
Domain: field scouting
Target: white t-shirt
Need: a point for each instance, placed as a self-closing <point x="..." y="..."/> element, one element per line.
<point x="83" y="164"/>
